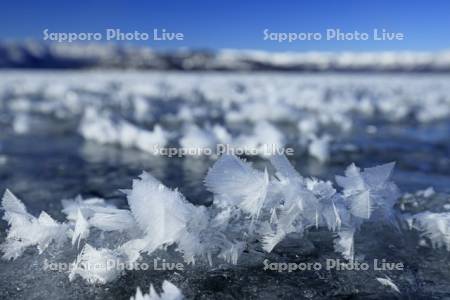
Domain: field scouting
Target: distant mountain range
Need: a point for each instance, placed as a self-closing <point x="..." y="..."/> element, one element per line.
<point x="80" y="56"/>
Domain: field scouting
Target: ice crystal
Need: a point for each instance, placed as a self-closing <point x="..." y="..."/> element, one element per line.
<point x="236" y="182"/>
<point x="104" y="129"/>
<point x="433" y="226"/>
<point x="26" y="230"/>
<point x="389" y="283"/>
<point x="249" y="205"/>
<point x="170" y="292"/>
<point x="319" y="148"/>
<point x="369" y="190"/>
<point x="164" y="215"/>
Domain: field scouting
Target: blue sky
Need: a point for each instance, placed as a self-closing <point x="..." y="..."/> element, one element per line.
<point x="237" y="24"/>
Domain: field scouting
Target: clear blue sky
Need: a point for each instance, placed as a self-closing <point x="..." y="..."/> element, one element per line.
<point x="237" y="24"/>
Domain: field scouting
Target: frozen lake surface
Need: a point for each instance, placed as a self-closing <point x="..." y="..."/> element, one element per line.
<point x="91" y="133"/>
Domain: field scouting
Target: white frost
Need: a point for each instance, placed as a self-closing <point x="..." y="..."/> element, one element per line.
<point x="249" y="205"/>
<point x="26" y="230"/>
<point x="389" y="283"/>
<point x="170" y="292"/>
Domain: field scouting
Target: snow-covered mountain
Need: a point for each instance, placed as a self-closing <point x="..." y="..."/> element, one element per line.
<point x="40" y="55"/>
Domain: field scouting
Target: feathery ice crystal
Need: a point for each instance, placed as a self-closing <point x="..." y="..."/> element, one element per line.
<point x="249" y="205"/>
<point x="170" y="292"/>
<point x="433" y="226"/>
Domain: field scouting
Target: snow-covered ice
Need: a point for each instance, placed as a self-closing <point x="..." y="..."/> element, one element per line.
<point x="93" y="133"/>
